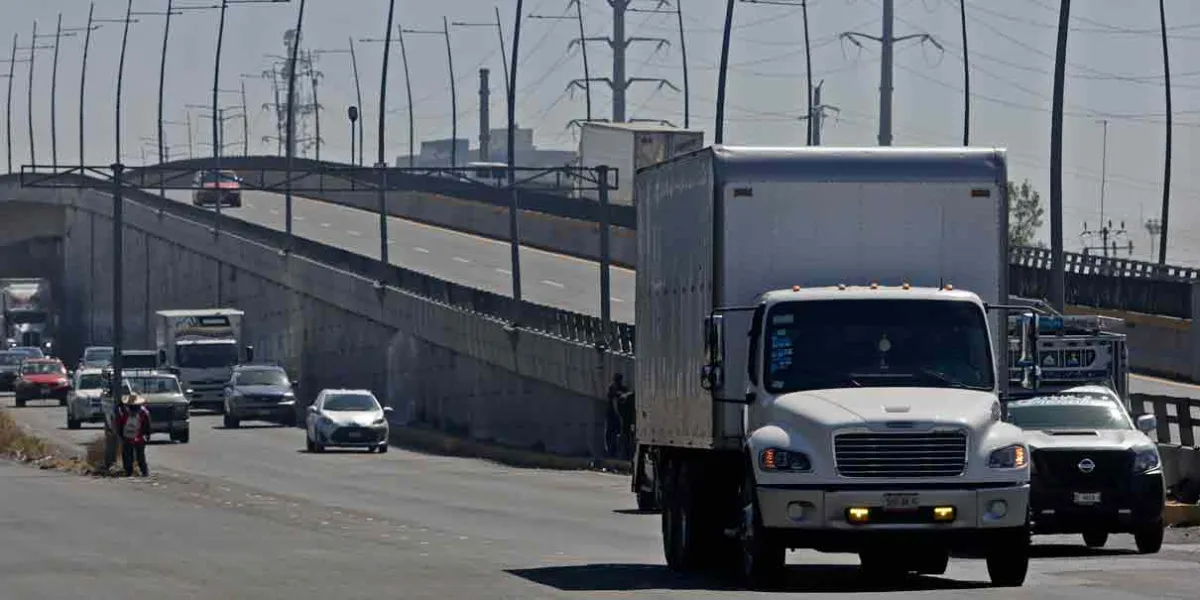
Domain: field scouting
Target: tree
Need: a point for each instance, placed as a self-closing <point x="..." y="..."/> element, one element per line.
<point x="1025" y="213"/>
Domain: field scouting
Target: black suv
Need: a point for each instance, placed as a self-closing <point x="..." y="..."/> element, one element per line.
<point x="263" y="392"/>
<point x="1094" y="470"/>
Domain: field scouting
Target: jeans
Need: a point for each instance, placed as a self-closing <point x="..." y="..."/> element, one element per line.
<point x="129" y="452"/>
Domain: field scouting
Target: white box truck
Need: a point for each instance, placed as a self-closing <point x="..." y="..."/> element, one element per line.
<point x="202" y="346"/>
<point x="628" y="147"/>
<point x="817" y="366"/>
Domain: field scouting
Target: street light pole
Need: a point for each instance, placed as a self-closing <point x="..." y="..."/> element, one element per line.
<point x="514" y="230"/>
<point x="358" y="93"/>
<point x="12" y="62"/>
<point x="290" y="144"/>
<point x="719" y="129"/>
<point x="118" y="222"/>
<point x="33" y="48"/>
<point x="380" y="159"/>
<point x="453" y="92"/>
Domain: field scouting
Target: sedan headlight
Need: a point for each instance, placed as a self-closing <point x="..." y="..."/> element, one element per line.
<point x="379" y="422"/>
<point x="775" y="459"/>
<point x="1015" y="456"/>
<point x="1145" y="459"/>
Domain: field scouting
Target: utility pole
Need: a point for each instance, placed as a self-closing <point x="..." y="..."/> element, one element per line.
<point x="1106" y="233"/>
<point x="1154" y="228"/>
<point x="485" y="138"/>
<point x="619" y="83"/>
<point x="817" y="119"/>
<point x="1103" y="166"/>
<point x="887" y="41"/>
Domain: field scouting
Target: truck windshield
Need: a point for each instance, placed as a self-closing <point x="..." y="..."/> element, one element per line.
<point x="206" y="356"/>
<point x="154" y="385"/>
<point x="98" y="355"/>
<point x="826" y="344"/>
<point x="26" y="317"/>
<point x="1068" y="411"/>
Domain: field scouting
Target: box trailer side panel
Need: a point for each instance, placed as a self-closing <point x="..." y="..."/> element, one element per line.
<point x="674" y="294"/>
<point x="614" y="147"/>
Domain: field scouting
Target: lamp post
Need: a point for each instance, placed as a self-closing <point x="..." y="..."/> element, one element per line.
<point x="514" y="232"/>
<point x="352" y="113"/>
<point x="12" y="62"/>
<point x="93" y="24"/>
<point x="499" y="33"/>
<point x="408" y="88"/>
<point x="59" y="33"/>
<point x="33" y="50"/>
<point x="453" y="93"/>
<point x="586" y="82"/>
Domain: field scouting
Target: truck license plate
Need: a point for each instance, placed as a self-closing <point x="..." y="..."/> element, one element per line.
<point x="1087" y="498"/>
<point x="901" y="501"/>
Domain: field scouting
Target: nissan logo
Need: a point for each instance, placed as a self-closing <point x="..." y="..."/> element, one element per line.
<point x="1086" y="465"/>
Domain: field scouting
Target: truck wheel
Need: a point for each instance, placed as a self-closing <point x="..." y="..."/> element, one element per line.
<point x="932" y="562"/>
<point x="680" y="540"/>
<point x="1095" y="539"/>
<point x="882" y="566"/>
<point x="182" y="437"/>
<point x="230" y="422"/>
<point x="763" y="556"/>
<point x="72" y="423"/>
<point x="1008" y="559"/>
<point x="645" y="501"/>
<point x="1149" y="539"/>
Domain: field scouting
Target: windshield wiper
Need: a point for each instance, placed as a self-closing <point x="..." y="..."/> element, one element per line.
<point x="948" y="380"/>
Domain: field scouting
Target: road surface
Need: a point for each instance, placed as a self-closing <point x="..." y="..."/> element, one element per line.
<point x="247" y="513"/>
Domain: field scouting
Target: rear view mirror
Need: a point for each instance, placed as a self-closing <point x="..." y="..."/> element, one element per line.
<point x="162" y="357"/>
<point x="712" y="374"/>
<point x="1147" y="423"/>
<point x="1027" y="360"/>
<point x="312" y="410"/>
<point x="387" y="409"/>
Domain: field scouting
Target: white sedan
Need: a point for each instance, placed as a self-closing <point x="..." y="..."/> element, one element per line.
<point x="347" y="419"/>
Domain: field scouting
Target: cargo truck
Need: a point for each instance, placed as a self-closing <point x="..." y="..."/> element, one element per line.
<point x="29" y="316"/>
<point x="202" y="346"/>
<point x="821" y="353"/>
<point x="628" y="147"/>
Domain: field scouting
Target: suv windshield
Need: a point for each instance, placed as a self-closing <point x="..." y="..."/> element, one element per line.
<point x="1068" y="411"/>
<point x="274" y="377"/>
<point x="856" y="343"/>
<point x="91" y="381"/>
<point x="350" y="402"/>
<point x="42" y="368"/>
<point x="206" y="356"/>
<point x="157" y="384"/>
<point x="98" y="355"/>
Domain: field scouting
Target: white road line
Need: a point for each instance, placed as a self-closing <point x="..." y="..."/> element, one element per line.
<point x="421" y="250"/>
<point x="297" y="218"/>
<point x="616" y="300"/>
<point x="354" y="233"/>
<point x="505" y="271"/>
<point x="274" y="211"/>
<point x="325" y="225"/>
<point x="461" y="259"/>
<point x="553" y="283"/>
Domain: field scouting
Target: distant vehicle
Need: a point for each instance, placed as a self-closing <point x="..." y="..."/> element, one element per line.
<point x="213" y="187"/>
<point x="28" y="311"/>
<point x="347" y="419"/>
<point x="165" y="399"/>
<point x="95" y="357"/>
<point x="28" y="351"/>
<point x="259" y="392"/>
<point x="42" y="379"/>
<point x="10" y="364"/>
<point x="202" y="346"/>
<point x="1095" y="471"/>
<point x="84" y="401"/>
<point x="139" y="359"/>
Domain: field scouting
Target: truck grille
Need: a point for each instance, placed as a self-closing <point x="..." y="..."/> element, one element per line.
<point x="159" y="414"/>
<point x="900" y="454"/>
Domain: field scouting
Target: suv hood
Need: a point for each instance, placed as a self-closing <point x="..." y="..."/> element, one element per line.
<point x="1085" y="439"/>
<point x="855" y="406"/>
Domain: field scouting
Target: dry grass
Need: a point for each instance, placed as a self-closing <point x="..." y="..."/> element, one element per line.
<point x="18" y="444"/>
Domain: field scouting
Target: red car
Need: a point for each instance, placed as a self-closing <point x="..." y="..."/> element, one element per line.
<point x="217" y="187"/>
<point x="42" y="379"/>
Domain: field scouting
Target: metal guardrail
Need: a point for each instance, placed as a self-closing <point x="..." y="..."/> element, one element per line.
<point x="1162" y="407"/>
<point x="1117" y="284"/>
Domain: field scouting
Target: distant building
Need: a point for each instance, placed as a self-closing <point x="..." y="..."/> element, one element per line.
<point x="436" y="153"/>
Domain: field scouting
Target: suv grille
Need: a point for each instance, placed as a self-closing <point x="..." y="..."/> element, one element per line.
<point x="1059" y="469"/>
<point x="900" y="454"/>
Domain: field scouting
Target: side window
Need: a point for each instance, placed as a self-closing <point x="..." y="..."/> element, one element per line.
<point x="755" y="335"/>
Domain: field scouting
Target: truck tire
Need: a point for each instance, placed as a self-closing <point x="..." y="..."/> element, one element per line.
<point x="1149" y="539"/>
<point x="230" y="422"/>
<point x="72" y="423"/>
<point x="182" y="437"/>
<point x="932" y="562"/>
<point x="763" y="555"/>
<point x="646" y="501"/>
<point x="1095" y="539"/>
<point x="681" y="542"/>
<point x="1008" y="558"/>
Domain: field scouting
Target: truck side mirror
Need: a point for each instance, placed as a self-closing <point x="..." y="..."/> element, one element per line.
<point x="712" y="374"/>
<point x="249" y="354"/>
<point x="162" y="357"/>
<point x="1147" y="423"/>
<point x="1031" y="368"/>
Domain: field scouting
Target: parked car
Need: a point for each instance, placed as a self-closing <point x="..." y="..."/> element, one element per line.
<point x="341" y="418"/>
<point x="42" y="379"/>
<point x="85" y="400"/>
<point x="259" y="392"/>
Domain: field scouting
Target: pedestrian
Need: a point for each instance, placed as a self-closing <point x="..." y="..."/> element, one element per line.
<point x="133" y="424"/>
<point x="613" y="425"/>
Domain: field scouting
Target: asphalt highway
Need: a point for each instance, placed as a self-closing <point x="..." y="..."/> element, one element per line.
<point x="248" y="514"/>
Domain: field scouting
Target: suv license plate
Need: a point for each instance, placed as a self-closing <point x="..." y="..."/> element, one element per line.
<point x="1087" y="498"/>
<point x="355" y="435"/>
<point x="901" y="502"/>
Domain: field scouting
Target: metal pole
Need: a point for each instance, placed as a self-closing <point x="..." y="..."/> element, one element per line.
<point x="12" y="62"/>
<point x="966" y="77"/>
<point x="687" y="103"/>
<point x="54" y="97"/>
<point x="32" y="60"/>
<point x="358" y="93"/>
<point x="1166" y="196"/>
<point x="1103" y="180"/>
<point x="87" y="42"/>
<point x="485" y="94"/>
<point x="886" y="44"/>
<point x="515" y="202"/>
<point x="719" y="130"/>
<point x="317" y="114"/>
<point x="290" y="144"/>
<point x="503" y="55"/>
<point x="118" y="276"/>
<point x="162" y="83"/>
<point x="216" y="133"/>
<point x="453" y="97"/>
<point x="120" y="80"/>
<point x="381" y="160"/>
<point x="412" y="127"/>
<point x="191" y="144"/>
<point x="619" y="45"/>
<point x="1057" y="263"/>
<point x="587" y="74"/>
<point x="353" y="127"/>
<point x="809" y="122"/>
<point x="605" y="260"/>
<point x="245" y="123"/>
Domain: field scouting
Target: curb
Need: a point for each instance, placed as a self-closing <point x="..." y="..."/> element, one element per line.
<point x="1181" y="515"/>
<point x="436" y="442"/>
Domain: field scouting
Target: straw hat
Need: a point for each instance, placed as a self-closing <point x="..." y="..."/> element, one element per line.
<point x="133" y="400"/>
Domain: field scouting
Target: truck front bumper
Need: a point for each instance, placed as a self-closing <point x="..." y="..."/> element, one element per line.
<point x="172" y="426"/>
<point x="821" y="518"/>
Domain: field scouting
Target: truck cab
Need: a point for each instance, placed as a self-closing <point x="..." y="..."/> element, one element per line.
<point x="202" y="347"/>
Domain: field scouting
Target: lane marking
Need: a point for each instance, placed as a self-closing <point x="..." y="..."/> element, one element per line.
<point x="461" y="259"/>
<point x="325" y="225"/>
<point x="354" y="233"/>
<point x="421" y="250"/>
<point x="273" y="211"/>
<point x="553" y="284"/>
<point x="297" y="218"/>
<point x="618" y="300"/>
<point x="505" y="271"/>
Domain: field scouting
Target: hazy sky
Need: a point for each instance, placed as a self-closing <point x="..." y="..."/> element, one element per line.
<point x="1115" y="72"/>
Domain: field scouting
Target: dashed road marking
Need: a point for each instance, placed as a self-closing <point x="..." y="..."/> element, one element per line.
<point x="461" y="259"/>
<point x="553" y="283"/>
<point x="297" y="218"/>
<point x="354" y="233"/>
<point x="273" y="211"/>
<point x="325" y="225"/>
<point x="421" y="250"/>
<point x="505" y="271"/>
<point x="616" y="300"/>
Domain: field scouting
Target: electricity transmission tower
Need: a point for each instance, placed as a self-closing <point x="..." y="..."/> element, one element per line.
<point x="820" y="110"/>
<point x="307" y="111"/>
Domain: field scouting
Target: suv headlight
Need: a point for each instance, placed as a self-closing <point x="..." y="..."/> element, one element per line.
<point x="775" y="459"/>
<point x="1015" y="456"/>
<point x="1145" y="458"/>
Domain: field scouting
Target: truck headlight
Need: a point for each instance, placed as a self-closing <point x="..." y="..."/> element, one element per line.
<point x="1145" y="459"/>
<point x="1015" y="456"/>
<point x="774" y="459"/>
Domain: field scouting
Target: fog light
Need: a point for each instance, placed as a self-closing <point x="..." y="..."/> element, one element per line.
<point x="943" y="513"/>
<point x="858" y="514"/>
<point x="795" y="511"/>
<point x="997" y="509"/>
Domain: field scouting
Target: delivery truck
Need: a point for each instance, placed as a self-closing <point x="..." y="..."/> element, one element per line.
<point x="821" y="354"/>
<point x="628" y="147"/>
<point x="28" y="312"/>
<point x="202" y="346"/>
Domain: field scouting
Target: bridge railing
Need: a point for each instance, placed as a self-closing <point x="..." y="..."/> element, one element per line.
<point x="1176" y="421"/>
